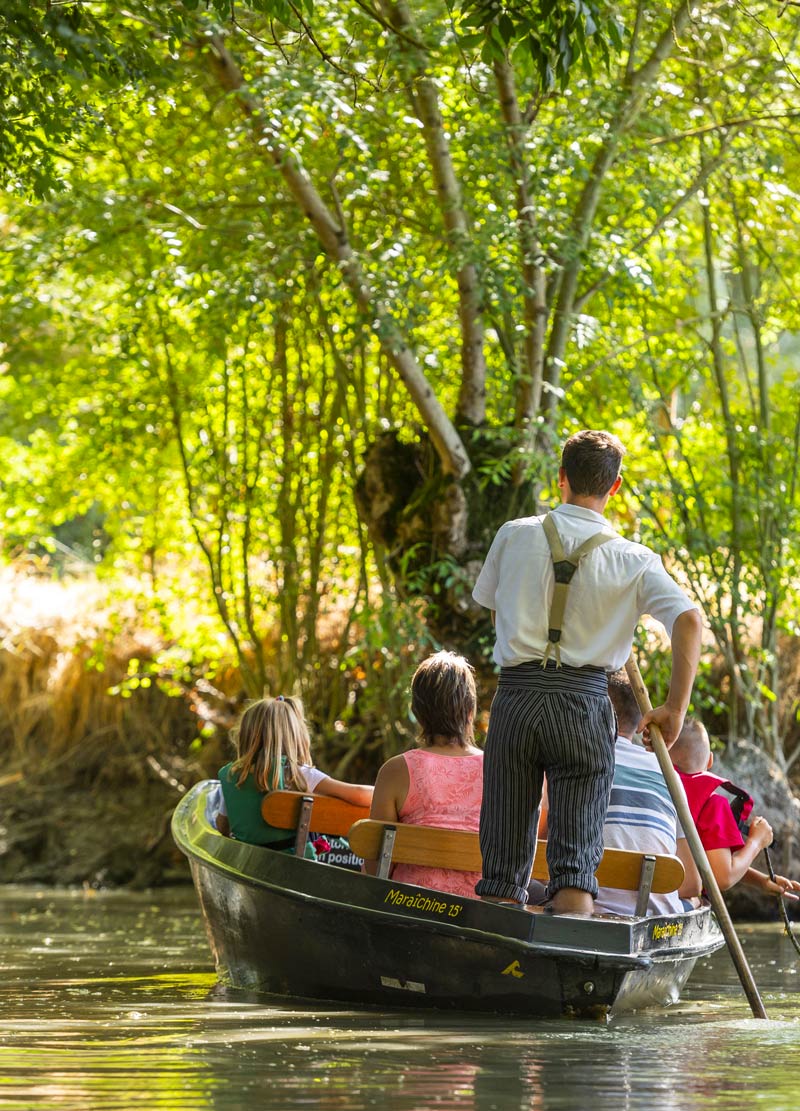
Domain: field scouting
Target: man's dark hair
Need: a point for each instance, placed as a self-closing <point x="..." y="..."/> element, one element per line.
<point x="592" y="461"/>
<point x="443" y="700"/>
<point x="624" y="702"/>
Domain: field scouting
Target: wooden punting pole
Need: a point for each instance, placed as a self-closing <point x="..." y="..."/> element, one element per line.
<point x="695" y="844"/>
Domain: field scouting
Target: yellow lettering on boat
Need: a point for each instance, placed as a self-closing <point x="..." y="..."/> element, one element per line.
<point x="421" y="901"/>
<point x="674" y="929"/>
<point x="513" y="970"/>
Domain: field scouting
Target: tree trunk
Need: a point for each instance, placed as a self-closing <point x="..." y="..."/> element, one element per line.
<point x="425" y="102"/>
<point x="333" y="237"/>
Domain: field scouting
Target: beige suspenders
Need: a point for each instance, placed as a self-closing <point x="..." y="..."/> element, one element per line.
<point x="564" y="567"/>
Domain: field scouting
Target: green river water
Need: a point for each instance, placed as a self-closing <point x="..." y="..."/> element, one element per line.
<point x="108" y="1000"/>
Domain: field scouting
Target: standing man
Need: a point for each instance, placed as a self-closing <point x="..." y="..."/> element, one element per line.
<point x="566" y="593"/>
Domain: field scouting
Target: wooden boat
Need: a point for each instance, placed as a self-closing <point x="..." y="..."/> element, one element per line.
<point x="285" y="925"/>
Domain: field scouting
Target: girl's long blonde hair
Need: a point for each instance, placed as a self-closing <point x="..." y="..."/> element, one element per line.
<point x="268" y="730"/>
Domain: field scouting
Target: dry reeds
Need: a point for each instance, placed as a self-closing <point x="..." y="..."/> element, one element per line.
<point x="58" y="663"/>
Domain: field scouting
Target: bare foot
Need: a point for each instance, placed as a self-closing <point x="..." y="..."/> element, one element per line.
<point x="571" y="900"/>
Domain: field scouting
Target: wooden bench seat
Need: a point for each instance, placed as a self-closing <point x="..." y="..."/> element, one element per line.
<point x="429" y="846"/>
<point x="390" y="844"/>
<point x="295" y="811"/>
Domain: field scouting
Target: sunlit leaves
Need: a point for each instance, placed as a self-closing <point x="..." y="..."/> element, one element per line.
<point x="142" y="306"/>
<point x="556" y="35"/>
<point x="58" y="62"/>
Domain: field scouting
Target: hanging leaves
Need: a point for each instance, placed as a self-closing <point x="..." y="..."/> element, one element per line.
<point x="554" y="34"/>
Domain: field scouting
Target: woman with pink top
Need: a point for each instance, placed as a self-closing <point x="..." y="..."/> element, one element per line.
<point x="440" y="783"/>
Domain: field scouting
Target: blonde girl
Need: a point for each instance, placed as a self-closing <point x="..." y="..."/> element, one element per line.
<point x="273" y="752"/>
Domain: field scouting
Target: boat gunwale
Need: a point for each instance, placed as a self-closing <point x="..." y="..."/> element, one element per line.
<point x="642" y="959"/>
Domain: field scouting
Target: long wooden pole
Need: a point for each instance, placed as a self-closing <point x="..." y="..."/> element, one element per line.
<point x="695" y="844"/>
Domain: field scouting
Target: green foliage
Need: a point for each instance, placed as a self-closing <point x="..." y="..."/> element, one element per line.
<point x="376" y="721"/>
<point x="182" y="357"/>
<point x="59" y="64"/>
<point x="62" y="63"/>
<point x="555" y="34"/>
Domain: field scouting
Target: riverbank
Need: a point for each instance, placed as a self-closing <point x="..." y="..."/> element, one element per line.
<point x="115" y="838"/>
<point x="96" y="750"/>
<point x="105" y="723"/>
<point x="93" y="761"/>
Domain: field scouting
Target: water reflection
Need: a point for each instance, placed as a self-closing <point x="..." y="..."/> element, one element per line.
<point x="107" y="1002"/>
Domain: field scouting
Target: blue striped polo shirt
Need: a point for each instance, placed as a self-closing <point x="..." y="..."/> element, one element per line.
<point x="642" y="817"/>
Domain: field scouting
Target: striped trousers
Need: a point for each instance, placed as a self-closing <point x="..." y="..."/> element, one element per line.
<point x="558" y="722"/>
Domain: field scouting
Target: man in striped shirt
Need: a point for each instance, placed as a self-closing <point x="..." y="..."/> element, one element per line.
<point x="641" y="815"/>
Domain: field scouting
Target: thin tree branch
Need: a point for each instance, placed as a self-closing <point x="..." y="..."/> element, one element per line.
<point x="724" y="125"/>
<point x="529" y="389"/>
<point x="446" y="440"/>
<point x="636" y="90"/>
<point x="425" y="99"/>
<point x="702" y="177"/>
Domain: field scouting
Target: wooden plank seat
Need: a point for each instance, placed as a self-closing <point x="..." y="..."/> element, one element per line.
<point x="295" y="811"/>
<point x="390" y="844"/>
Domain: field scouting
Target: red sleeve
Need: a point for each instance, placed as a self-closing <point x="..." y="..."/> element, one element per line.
<point x="717" y="826"/>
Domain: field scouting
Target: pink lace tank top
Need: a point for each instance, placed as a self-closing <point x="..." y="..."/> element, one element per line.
<point x="443" y="791"/>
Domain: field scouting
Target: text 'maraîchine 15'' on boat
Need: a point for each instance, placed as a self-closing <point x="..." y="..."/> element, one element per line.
<point x="285" y="925"/>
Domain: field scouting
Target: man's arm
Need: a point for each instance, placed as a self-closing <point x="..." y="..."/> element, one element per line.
<point x="686" y="634"/>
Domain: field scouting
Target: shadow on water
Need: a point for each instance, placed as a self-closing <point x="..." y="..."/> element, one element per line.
<point x="107" y="1001"/>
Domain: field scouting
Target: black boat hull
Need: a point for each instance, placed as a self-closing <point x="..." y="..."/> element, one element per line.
<point x="292" y="927"/>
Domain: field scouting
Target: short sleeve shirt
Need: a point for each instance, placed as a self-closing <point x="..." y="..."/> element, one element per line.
<point x="714" y="819"/>
<point x="717" y="826"/>
<point x="641" y="817"/>
<point x="613" y="587"/>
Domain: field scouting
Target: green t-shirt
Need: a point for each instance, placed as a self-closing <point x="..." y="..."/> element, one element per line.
<point x="243" y="805"/>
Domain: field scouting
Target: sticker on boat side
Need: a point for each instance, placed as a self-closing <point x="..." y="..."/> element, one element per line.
<point x="403" y="985"/>
<point x="674" y="929"/>
<point x="513" y="970"/>
<point x="420" y="901"/>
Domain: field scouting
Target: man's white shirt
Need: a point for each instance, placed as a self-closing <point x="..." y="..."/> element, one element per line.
<point x="613" y="587"/>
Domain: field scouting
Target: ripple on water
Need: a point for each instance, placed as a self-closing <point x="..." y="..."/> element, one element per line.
<point x="108" y="1001"/>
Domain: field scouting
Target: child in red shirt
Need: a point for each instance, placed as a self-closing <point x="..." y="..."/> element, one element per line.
<point x="718" y="817"/>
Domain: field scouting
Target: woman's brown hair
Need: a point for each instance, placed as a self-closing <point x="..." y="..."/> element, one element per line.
<point x="443" y="700"/>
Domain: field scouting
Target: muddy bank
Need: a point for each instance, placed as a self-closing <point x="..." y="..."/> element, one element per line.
<point x="97" y="746"/>
<point x="117" y="838"/>
<point x="97" y="812"/>
<point x="88" y="777"/>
